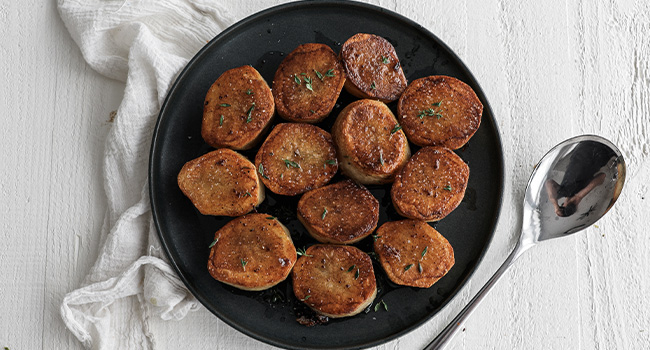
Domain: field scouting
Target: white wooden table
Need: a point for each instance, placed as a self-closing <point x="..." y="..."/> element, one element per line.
<point x="550" y="69"/>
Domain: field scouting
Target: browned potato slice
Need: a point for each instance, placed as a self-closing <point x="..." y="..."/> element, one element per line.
<point x="222" y="182"/>
<point x="371" y="147"/>
<point x="296" y="158"/>
<point x="334" y="280"/>
<point x="308" y="83"/>
<point x="372" y="68"/>
<point x="431" y="185"/>
<point x="344" y="212"/>
<point x="439" y="111"/>
<point x="413" y="253"/>
<point x="252" y="252"/>
<point x="238" y="109"/>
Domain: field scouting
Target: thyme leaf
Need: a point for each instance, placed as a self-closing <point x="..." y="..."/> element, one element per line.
<point x="290" y="163"/>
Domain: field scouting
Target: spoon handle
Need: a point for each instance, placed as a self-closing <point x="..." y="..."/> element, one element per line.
<point x="452" y="328"/>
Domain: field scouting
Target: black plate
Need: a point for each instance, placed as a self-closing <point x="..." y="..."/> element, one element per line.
<point x="262" y="40"/>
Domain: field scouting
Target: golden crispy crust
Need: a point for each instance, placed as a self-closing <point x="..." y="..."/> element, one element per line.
<point x="370" y="147"/>
<point x="335" y="280"/>
<point x="431" y="185"/>
<point x="439" y="111"/>
<point x="238" y="109"/>
<point x="296" y="158"/>
<point x="308" y="83"/>
<point x="343" y="213"/>
<point x="222" y="182"/>
<point x="413" y="253"/>
<point x="252" y="252"/>
<point x="372" y="68"/>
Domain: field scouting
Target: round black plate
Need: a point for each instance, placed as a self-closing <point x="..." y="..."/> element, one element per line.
<point x="262" y="40"/>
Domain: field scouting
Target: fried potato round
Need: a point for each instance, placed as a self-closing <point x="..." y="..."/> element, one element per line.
<point x="343" y="213"/>
<point x="431" y="185"/>
<point x="439" y="111"/>
<point x="308" y="83"/>
<point x="371" y="146"/>
<point x="238" y="109"/>
<point x="413" y="253"/>
<point x="296" y="158"/>
<point x="252" y="252"/>
<point x="334" y="280"/>
<point x="222" y="182"/>
<point x="372" y="68"/>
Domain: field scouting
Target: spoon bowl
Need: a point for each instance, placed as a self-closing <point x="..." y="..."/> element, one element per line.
<point x="570" y="189"/>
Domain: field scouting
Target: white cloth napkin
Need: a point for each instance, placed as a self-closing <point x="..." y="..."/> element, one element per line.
<point x="144" y="43"/>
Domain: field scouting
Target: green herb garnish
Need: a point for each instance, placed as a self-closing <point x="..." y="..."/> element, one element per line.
<point x="248" y="194"/>
<point x="271" y="217"/>
<point x="430" y="112"/>
<point x="249" y="92"/>
<point x="381" y="159"/>
<point x="312" y="111"/>
<point x="213" y="243"/>
<point x="243" y="264"/>
<point x="250" y="113"/>
<point x="396" y="129"/>
<point x="448" y="188"/>
<point x="290" y="163"/>
<point x="224" y="105"/>
<point x="384" y="60"/>
<point x="424" y="252"/>
<point x="352" y="268"/>
<point x="303" y="73"/>
<point x="319" y="74"/>
<point x="331" y="161"/>
<point x="330" y="73"/>
<point x="408" y="267"/>
<point x="308" y="82"/>
<point x="296" y="79"/>
<point x="302" y="252"/>
<point x="260" y="170"/>
<point x="419" y="267"/>
<point x="375" y="238"/>
<point x="221" y="120"/>
<point x="373" y="86"/>
<point x="305" y="298"/>
<point x="324" y="213"/>
<point x="381" y="302"/>
<point x="356" y="274"/>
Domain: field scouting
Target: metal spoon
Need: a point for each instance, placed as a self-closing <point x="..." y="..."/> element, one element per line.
<point x="572" y="187"/>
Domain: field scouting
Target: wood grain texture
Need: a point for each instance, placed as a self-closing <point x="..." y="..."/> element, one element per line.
<point x="550" y="70"/>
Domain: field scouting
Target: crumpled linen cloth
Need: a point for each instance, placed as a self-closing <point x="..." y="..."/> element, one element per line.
<point x="144" y="43"/>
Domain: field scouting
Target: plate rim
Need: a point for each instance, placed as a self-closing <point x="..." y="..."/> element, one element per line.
<point x="292" y="6"/>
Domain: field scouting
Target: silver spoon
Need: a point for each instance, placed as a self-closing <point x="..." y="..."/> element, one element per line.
<point x="572" y="187"/>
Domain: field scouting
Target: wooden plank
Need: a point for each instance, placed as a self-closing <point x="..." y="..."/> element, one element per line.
<point x="52" y="196"/>
<point x="612" y="50"/>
